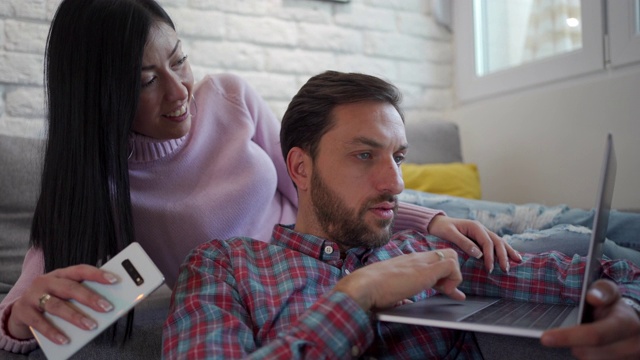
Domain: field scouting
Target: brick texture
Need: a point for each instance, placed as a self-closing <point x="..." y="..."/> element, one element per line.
<point x="275" y="44"/>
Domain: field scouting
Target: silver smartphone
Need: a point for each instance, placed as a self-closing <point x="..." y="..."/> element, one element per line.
<point x="138" y="276"/>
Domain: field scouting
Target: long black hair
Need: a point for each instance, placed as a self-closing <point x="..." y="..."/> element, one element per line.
<point x="93" y="61"/>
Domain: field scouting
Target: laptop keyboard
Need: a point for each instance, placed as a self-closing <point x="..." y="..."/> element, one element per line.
<point x="521" y="314"/>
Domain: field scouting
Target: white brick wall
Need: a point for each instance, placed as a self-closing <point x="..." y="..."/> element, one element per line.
<point x="275" y="44"/>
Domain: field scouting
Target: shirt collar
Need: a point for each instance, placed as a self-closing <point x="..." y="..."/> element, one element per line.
<point x="311" y="245"/>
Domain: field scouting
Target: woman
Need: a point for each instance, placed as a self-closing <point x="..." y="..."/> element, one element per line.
<point x="137" y="152"/>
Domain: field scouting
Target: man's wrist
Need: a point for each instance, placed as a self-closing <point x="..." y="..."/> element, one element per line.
<point x="362" y="301"/>
<point x="633" y="303"/>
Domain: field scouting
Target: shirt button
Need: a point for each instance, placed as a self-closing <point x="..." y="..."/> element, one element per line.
<point x="347" y="272"/>
<point x="328" y="250"/>
<point x="355" y="351"/>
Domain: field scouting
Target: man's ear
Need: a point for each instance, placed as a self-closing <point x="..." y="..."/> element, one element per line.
<point x="299" y="167"/>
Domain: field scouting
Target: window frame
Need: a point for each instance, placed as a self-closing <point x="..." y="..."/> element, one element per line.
<point x="622" y="33"/>
<point x="470" y="87"/>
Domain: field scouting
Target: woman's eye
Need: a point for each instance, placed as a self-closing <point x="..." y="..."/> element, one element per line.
<point x="182" y="60"/>
<point x="149" y="82"/>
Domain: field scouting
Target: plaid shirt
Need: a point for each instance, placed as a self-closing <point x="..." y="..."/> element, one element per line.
<point x="243" y="298"/>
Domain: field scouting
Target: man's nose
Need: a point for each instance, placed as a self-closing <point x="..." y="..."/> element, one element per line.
<point x="389" y="178"/>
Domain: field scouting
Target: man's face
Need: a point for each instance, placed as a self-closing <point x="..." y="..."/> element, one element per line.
<point x="356" y="174"/>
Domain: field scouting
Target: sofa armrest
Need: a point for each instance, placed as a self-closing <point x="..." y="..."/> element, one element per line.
<point x="20" y="160"/>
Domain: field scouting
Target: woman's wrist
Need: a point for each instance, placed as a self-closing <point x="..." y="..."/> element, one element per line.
<point x="12" y="330"/>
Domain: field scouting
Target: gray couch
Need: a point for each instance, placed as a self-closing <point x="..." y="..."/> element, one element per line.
<point x="431" y="142"/>
<point x="20" y="160"/>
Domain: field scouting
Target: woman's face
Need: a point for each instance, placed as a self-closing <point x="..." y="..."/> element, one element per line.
<point x="167" y="84"/>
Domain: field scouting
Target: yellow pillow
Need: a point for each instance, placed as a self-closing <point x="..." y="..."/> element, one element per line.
<point x="456" y="179"/>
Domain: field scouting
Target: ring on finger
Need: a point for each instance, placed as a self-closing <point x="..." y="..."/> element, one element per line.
<point x="43" y="301"/>
<point x="440" y="255"/>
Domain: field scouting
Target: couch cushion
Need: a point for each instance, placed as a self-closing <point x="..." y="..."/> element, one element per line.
<point x="455" y="179"/>
<point x="20" y="160"/>
<point x="433" y="141"/>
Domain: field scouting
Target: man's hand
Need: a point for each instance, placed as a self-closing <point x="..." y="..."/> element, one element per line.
<point x="383" y="284"/>
<point x="614" y="334"/>
<point x="464" y="232"/>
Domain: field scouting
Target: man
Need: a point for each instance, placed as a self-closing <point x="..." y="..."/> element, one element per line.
<point x="309" y="292"/>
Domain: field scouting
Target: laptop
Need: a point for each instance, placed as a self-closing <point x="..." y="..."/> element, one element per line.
<point x="511" y="317"/>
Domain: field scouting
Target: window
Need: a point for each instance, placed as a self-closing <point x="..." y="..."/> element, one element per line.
<point x="636" y="16"/>
<point x="624" y="32"/>
<point x="510" y="34"/>
<point x="505" y="45"/>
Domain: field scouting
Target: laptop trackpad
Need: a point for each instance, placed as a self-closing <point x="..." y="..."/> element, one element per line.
<point x="443" y="308"/>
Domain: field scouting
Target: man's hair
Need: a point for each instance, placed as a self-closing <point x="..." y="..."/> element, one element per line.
<point x="310" y="113"/>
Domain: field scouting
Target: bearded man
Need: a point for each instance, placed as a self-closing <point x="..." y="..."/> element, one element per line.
<point x="309" y="292"/>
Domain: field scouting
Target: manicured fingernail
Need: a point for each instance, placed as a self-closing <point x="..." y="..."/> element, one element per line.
<point x="508" y="267"/>
<point x="476" y="253"/>
<point x="88" y="323"/>
<point x="105" y="305"/>
<point x="520" y="257"/>
<point x="110" y="278"/>
<point x="491" y="269"/>
<point x="61" y="340"/>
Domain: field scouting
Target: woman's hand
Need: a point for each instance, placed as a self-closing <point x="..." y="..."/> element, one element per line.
<point x="50" y="293"/>
<point x="468" y="234"/>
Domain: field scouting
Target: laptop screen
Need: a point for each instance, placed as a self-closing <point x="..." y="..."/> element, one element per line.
<point x="599" y="229"/>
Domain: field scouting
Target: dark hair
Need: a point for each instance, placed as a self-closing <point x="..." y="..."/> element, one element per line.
<point x="93" y="61"/>
<point x="309" y="115"/>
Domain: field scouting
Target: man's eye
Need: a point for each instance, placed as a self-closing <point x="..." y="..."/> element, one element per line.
<point x="399" y="159"/>
<point x="364" y="156"/>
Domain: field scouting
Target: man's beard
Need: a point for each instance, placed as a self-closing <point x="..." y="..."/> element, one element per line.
<point x="345" y="226"/>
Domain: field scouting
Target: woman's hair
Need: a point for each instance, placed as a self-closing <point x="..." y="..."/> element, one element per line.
<point x="309" y="115"/>
<point x="93" y="61"/>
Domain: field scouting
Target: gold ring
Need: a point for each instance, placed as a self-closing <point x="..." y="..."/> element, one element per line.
<point x="43" y="301"/>
<point x="440" y="255"/>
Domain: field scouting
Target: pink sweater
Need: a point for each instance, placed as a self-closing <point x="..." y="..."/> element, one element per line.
<point x="226" y="178"/>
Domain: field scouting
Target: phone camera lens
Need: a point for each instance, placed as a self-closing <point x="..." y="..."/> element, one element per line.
<point x="133" y="273"/>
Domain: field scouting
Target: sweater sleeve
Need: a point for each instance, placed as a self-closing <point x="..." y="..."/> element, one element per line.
<point x="32" y="266"/>
<point x="414" y="217"/>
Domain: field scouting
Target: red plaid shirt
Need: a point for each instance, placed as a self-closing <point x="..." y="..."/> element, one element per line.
<point x="242" y="298"/>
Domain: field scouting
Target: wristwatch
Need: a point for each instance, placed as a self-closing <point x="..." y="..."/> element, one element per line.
<point x="634" y="304"/>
